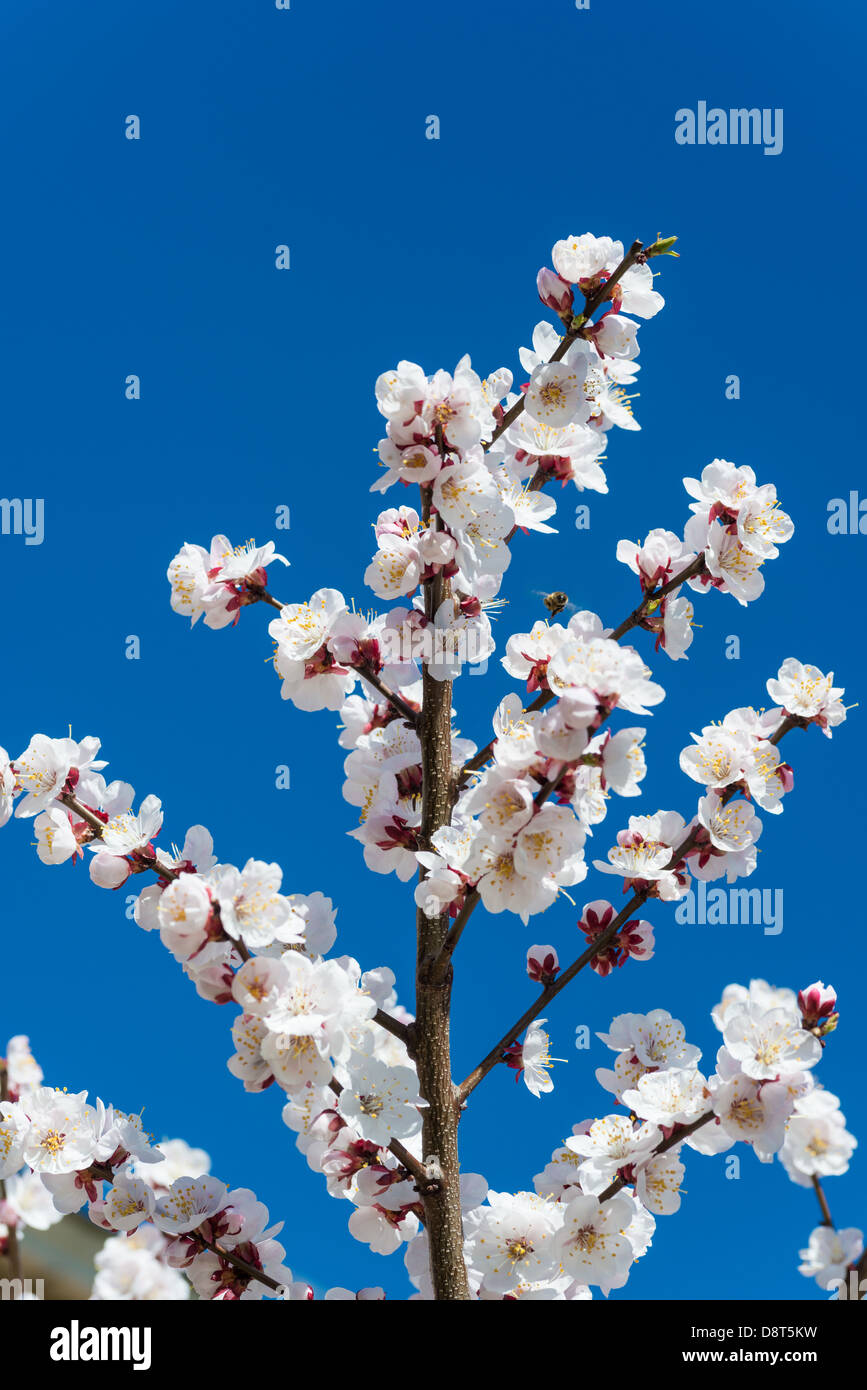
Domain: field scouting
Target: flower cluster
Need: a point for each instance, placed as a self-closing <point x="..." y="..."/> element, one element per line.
<point x="219" y="582"/>
<point x="305" y="1022"/>
<point x="362" y="1128"/>
<point x="737" y="525"/>
<point x="595" y="1205"/>
<point x="739" y="764"/>
<point x="481" y="455"/>
<point x="78" y="1155"/>
<point x="506" y="826"/>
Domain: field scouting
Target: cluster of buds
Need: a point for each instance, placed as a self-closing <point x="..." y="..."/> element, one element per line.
<point x="818" y="1005"/>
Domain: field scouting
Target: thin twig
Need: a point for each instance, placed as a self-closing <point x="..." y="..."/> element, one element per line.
<point x="156" y="866"/>
<point x="366" y="672"/>
<point x="653" y="597"/>
<point x="827" y="1219"/>
<point x="402" y="1154"/>
<point x="672" y="1142"/>
<point x="456" y="930"/>
<point x="98" y="826"/>
<point x="241" y="1265"/>
<point x="573" y="334"/>
<point x="394" y="1026"/>
<point x="637" y="615"/>
<point x="396" y="701"/>
<point x="262" y="596"/>
<point x="596" y="947"/>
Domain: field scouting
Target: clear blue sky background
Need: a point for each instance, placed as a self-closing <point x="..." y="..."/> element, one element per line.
<point x="156" y="257"/>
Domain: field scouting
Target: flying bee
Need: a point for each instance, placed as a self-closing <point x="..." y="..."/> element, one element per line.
<point x="556" y="602"/>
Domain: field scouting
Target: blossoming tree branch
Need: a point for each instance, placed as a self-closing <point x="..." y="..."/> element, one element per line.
<point x="370" y="1090"/>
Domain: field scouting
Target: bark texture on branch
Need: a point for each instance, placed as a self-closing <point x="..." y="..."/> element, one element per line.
<point x="442" y="1201"/>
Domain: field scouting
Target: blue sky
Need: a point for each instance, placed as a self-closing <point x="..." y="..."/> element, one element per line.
<point x="306" y="127"/>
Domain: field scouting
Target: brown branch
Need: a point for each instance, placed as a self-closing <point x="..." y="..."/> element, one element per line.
<point x="262" y="596"/>
<point x="400" y="1152"/>
<point x="600" y="944"/>
<point x="98" y="826"/>
<point x="576" y="331"/>
<point x="791" y="721"/>
<point x="161" y="870"/>
<point x="241" y="1265"/>
<point x="13" y="1250"/>
<point x="401" y="1031"/>
<point x="365" y="672"/>
<point x="827" y="1219"/>
<point x="548" y="993"/>
<point x="455" y="933"/>
<point x="431" y="1034"/>
<point x="635" y="617"/>
<point x="655" y="595"/>
<point x="672" y="1142"/>
<point x="396" y="701"/>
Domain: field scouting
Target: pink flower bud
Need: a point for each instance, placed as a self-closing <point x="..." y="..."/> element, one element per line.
<point x="514" y="1058"/>
<point x="554" y="292"/>
<point x="636" y="939"/>
<point x="543" y="963"/>
<point x="816" y="1002"/>
<point x="615" y="336"/>
<point x="109" y="870"/>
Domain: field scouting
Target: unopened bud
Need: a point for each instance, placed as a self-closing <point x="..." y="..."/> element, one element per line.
<point x="554" y="292"/>
<point x="662" y="247"/>
<point x="109" y="870"/>
<point x="817" y="1002"/>
<point x="543" y="964"/>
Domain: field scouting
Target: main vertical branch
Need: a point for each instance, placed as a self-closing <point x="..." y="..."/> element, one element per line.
<point x="13" y="1253"/>
<point x="442" y="1202"/>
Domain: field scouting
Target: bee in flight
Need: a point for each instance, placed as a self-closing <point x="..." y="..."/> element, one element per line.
<point x="556" y="602"/>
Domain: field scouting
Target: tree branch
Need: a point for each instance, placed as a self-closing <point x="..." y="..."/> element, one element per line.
<point x="240" y="1265"/>
<point x="13" y="1250"/>
<point x="401" y="1031"/>
<point x="396" y="701"/>
<point x="161" y="870"/>
<point x="827" y="1219"/>
<point x="262" y="596"/>
<point x="472" y="898"/>
<point x="637" y="616"/>
<point x="98" y="826"/>
<point x="578" y="330"/>
<point x="431" y="1034"/>
<point x="653" y="597"/>
<point x="479" y="1072"/>
<point x="400" y="1152"/>
<point x="672" y="1142"/>
<point x="366" y="672"/>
